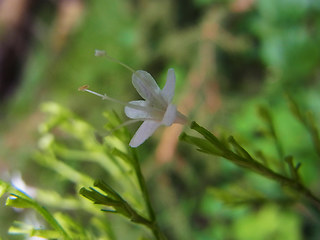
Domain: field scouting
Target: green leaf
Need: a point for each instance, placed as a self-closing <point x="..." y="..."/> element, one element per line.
<point x="74" y="230"/>
<point x="293" y="169"/>
<point x="18" y="202"/>
<point x="97" y="197"/>
<point x="124" y="156"/>
<point x="236" y="195"/>
<point x="107" y="189"/>
<point x="120" y="205"/>
<point x="27" y="229"/>
<point x="19" y="199"/>
<point x="49" y="160"/>
<point x="44" y="233"/>
<point x="240" y="150"/>
<point x="208" y="135"/>
<point x="202" y="144"/>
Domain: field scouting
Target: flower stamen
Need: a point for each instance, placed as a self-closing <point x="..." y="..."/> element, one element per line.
<point x="106" y="97"/>
<point x="102" y="53"/>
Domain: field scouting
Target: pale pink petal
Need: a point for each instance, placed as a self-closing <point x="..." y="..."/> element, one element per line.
<point x="170" y="115"/>
<point x="168" y="89"/>
<point x="147" y="87"/>
<point x="146" y="129"/>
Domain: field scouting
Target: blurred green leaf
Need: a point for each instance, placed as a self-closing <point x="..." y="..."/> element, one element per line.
<point x="240" y="150"/>
<point x="18" y="228"/>
<point x="202" y="144"/>
<point x="18" y="202"/>
<point x="21" y="200"/>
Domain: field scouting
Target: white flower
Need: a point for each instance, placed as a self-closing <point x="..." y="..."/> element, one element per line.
<point x="155" y="110"/>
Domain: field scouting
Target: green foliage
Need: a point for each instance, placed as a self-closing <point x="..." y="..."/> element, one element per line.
<point x="231" y="56"/>
<point x="235" y="153"/>
<point x="81" y="144"/>
<point x="18" y="199"/>
<point x="75" y="144"/>
<point x="115" y="201"/>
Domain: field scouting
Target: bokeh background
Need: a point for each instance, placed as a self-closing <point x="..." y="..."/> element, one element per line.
<point x="230" y="58"/>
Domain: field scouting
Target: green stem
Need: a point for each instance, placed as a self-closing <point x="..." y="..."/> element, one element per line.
<point x="153" y="226"/>
<point x="268" y="173"/>
<point x="218" y="148"/>
<point x="158" y="234"/>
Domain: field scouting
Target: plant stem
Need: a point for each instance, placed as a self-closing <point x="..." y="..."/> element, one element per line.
<point x="268" y="173"/>
<point x="153" y="226"/>
<point x="246" y="161"/>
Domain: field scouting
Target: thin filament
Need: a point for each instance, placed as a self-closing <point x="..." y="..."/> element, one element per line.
<point x="106" y="97"/>
<point x="104" y="54"/>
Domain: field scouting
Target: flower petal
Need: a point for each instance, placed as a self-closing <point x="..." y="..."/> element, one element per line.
<point x="170" y="115"/>
<point x="168" y="89"/>
<point x="146" y="129"/>
<point x="147" y="87"/>
<point x="135" y="113"/>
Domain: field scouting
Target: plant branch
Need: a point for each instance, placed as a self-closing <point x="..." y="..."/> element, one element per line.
<point x="154" y="226"/>
<point x="212" y="145"/>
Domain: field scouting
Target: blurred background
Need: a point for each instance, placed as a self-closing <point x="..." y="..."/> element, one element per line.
<point x="230" y="57"/>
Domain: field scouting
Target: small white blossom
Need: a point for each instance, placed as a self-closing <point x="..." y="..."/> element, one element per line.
<point x="155" y="110"/>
